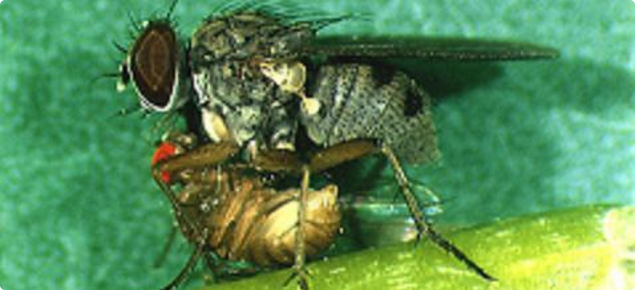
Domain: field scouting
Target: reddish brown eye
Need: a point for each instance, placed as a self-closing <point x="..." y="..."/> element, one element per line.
<point x="154" y="65"/>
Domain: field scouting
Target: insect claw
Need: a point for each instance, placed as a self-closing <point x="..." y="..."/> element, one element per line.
<point x="303" y="283"/>
<point x="418" y="238"/>
<point x="303" y="275"/>
<point x="290" y="278"/>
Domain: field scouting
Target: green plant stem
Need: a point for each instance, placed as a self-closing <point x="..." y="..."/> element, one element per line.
<point x="580" y="248"/>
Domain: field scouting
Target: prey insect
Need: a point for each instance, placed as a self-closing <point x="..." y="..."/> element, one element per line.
<point x="272" y="94"/>
<point x="230" y="213"/>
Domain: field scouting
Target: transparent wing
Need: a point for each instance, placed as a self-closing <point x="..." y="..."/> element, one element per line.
<point x="443" y="49"/>
<point x="380" y="217"/>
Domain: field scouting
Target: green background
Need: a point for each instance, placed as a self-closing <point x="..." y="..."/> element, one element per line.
<point x="78" y="209"/>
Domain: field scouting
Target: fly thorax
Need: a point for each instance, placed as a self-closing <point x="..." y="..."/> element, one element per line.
<point x="245" y="35"/>
<point x="230" y="94"/>
<point x="226" y="58"/>
<point x="239" y="124"/>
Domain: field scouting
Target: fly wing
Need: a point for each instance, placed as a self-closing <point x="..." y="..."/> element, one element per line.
<point x="379" y="218"/>
<point x="434" y="49"/>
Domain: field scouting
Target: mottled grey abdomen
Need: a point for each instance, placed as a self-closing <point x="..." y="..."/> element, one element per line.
<point x="362" y="101"/>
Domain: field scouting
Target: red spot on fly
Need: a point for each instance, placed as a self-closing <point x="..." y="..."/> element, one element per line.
<point x="164" y="151"/>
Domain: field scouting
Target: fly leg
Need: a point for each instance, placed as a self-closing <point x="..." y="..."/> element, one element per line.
<point x="351" y="150"/>
<point x="340" y="153"/>
<point x="288" y="161"/>
<point x="191" y="263"/>
<point x="166" y="248"/>
<point x="424" y="228"/>
<point x="299" y="266"/>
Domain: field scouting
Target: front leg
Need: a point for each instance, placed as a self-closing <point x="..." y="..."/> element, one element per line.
<point x="206" y="155"/>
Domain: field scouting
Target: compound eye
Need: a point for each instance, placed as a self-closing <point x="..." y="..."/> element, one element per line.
<point x="153" y="65"/>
